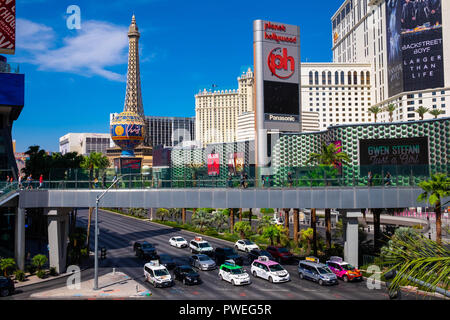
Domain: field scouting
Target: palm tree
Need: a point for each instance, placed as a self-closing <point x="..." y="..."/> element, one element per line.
<point x="162" y="213"/>
<point x="436" y="112"/>
<point x="271" y="232"/>
<point x="7" y="265"/>
<point x="307" y="236"/>
<point x="417" y="259"/>
<point x="202" y="219"/>
<point x="243" y="228"/>
<point x="314" y="228"/>
<point x="96" y="160"/>
<point x="331" y="156"/>
<point x="375" y="111"/>
<point x="39" y="261"/>
<point x="435" y="190"/>
<point x="421" y="111"/>
<point x="264" y="222"/>
<point x="220" y="220"/>
<point x="390" y="109"/>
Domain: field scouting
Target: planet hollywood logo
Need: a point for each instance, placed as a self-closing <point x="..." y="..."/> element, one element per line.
<point x="280" y="63"/>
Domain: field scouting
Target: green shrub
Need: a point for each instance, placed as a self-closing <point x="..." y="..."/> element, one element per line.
<point x="211" y="232"/>
<point x="39" y="261"/>
<point x="84" y="252"/>
<point x="417" y="226"/>
<point x="19" y="275"/>
<point x="53" y="271"/>
<point x="30" y="269"/>
<point x="40" y="274"/>
<point x="7" y="266"/>
<point x="267" y="210"/>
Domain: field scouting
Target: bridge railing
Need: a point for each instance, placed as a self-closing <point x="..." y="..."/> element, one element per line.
<point x="247" y="177"/>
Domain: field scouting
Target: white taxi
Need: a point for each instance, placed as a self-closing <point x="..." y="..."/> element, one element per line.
<point x="157" y="274"/>
<point x="234" y="274"/>
<point x="264" y="268"/>
<point x="200" y="246"/>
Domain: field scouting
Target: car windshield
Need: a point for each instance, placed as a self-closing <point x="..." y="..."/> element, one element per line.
<point x="147" y="246"/>
<point x="324" y="270"/>
<point x="187" y="270"/>
<point x="203" y="258"/>
<point x="347" y="267"/>
<point x="161" y="272"/>
<point x="283" y="250"/>
<point x="265" y="253"/>
<point x="179" y="239"/>
<point x="204" y="245"/>
<point x="165" y="258"/>
<point x="228" y="251"/>
<point x="248" y="242"/>
<point x="237" y="271"/>
<point x="276" y="267"/>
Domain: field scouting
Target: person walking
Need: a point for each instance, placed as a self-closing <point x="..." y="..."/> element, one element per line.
<point x="20" y="181"/>
<point x="230" y="180"/>
<point x="96" y="183"/>
<point x="104" y="180"/>
<point x="7" y="181"/>
<point x="41" y="181"/>
<point x="242" y="180"/>
<point x="370" y="179"/>
<point x="29" y="181"/>
<point x="290" y="180"/>
<point x="387" y="179"/>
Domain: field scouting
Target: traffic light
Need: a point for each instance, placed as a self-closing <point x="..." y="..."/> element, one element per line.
<point x="103" y="253"/>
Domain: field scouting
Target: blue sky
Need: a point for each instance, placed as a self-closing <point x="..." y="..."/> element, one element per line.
<point x="75" y="78"/>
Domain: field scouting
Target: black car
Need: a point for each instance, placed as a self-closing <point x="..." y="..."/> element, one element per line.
<point x="6" y="286"/>
<point x="187" y="275"/>
<point x="255" y="253"/>
<point x="145" y="250"/>
<point x="167" y="261"/>
<point x="222" y="254"/>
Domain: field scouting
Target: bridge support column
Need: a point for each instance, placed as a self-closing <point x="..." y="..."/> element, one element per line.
<point x="58" y="233"/>
<point x="19" y="246"/>
<point x="350" y="225"/>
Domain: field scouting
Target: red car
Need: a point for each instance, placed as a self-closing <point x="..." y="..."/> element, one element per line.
<point x="280" y="254"/>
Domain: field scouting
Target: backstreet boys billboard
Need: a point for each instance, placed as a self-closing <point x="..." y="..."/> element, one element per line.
<point x="235" y="162"/>
<point x="414" y="45"/>
<point x="277" y="73"/>
<point x="7" y="26"/>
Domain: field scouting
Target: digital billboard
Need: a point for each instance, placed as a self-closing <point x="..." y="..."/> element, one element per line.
<point x="414" y="45"/>
<point x="12" y="89"/>
<point x="398" y="152"/>
<point x="161" y="157"/>
<point x="235" y="162"/>
<point x="277" y="73"/>
<point x="213" y="164"/>
<point x="7" y="26"/>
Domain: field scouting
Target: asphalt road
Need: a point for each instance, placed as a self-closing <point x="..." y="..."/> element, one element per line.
<point x="118" y="234"/>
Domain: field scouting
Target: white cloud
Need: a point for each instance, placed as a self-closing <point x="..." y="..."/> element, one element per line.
<point x="94" y="48"/>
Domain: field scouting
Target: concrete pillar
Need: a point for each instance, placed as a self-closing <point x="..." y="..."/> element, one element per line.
<point x="19" y="241"/>
<point x="58" y="233"/>
<point x="351" y="237"/>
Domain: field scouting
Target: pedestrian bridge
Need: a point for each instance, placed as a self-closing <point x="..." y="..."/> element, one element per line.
<point x="317" y="197"/>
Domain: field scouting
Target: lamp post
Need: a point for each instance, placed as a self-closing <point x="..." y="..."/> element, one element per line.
<point x="97" y="200"/>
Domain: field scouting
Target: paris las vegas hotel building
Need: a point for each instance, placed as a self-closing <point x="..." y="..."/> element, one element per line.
<point x="375" y="63"/>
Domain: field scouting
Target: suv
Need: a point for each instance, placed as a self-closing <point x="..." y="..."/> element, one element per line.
<point x="255" y="254"/>
<point x="157" y="274"/>
<point x="222" y="254"/>
<point x="280" y="254"/>
<point x="313" y="270"/>
<point x="269" y="270"/>
<point x="233" y="273"/>
<point x="6" y="286"/>
<point x="198" y="245"/>
<point x="187" y="275"/>
<point x="167" y="261"/>
<point x="343" y="270"/>
<point x="144" y="250"/>
<point x="245" y="245"/>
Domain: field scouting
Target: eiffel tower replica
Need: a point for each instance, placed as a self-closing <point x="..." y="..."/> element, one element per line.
<point x="133" y="97"/>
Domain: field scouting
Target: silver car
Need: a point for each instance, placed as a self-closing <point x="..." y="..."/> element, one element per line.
<point x="202" y="262"/>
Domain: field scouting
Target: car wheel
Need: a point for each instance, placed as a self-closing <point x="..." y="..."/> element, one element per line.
<point x="254" y="274"/>
<point x="4" y="293"/>
<point x="220" y="276"/>
<point x="321" y="282"/>
<point x="236" y="247"/>
<point x="300" y="275"/>
<point x="154" y="284"/>
<point x="270" y="280"/>
<point x="247" y="250"/>
<point x="184" y="281"/>
<point x="233" y="283"/>
<point x="345" y="278"/>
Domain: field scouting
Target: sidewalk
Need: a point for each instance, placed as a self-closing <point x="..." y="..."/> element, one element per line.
<point x="116" y="285"/>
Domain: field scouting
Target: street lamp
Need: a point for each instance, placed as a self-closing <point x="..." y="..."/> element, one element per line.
<point x="97" y="200"/>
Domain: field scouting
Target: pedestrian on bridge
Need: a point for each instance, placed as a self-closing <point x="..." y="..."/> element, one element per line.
<point x="29" y="182"/>
<point x="41" y="181"/>
<point x="370" y="179"/>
